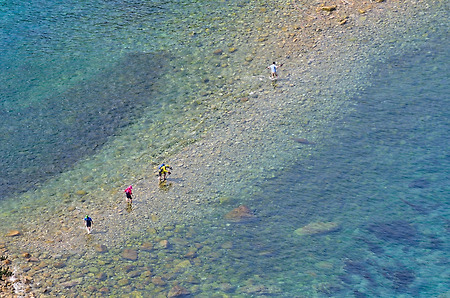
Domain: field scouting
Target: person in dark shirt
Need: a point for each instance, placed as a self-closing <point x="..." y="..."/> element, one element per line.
<point x="88" y="224"/>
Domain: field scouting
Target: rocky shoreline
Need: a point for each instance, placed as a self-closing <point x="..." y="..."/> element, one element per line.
<point x="312" y="40"/>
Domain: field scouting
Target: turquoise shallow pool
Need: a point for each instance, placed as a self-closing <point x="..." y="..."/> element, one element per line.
<point x="77" y="74"/>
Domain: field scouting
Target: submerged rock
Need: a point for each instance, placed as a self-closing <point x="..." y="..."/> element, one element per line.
<point x="81" y="192"/>
<point x="123" y="282"/>
<point x="101" y="276"/>
<point x="104" y="290"/>
<point x="13" y="233"/>
<point x="419" y="183"/>
<point x="59" y="265"/>
<point x="71" y="283"/>
<point x="146" y="246"/>
<point x="400" y="277"/>
<point x="164" y="244"/>
<point x="158" y="281"/>
<point x="101" y="248"/>
<point x="328" y="8"/>
<point x="396" y="231"/>
<point x="403" y="278"/>
<point x="259" y="290"/>
<point x="316" y="228"/>
<point x="182" y="265"/>
<point x="191" y="255"/>
<point x="129" y="254"/>
<point x="177" y="291"/>
<point x="239" y="214"/>
<point x="303" y="141"/>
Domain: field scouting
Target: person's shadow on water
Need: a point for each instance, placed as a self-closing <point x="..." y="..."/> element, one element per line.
<point x="129" y="207"/>
<point x="165" y="185"/>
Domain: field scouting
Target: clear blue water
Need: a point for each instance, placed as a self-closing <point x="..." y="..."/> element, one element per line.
<point x="382" y="175"/>
<point x="75" y="73"/>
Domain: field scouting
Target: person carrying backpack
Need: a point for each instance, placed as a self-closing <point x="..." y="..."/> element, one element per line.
<point x="163" y="172"/>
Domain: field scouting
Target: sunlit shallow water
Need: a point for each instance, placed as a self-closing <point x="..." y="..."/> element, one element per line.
<point x="380" y="175"/>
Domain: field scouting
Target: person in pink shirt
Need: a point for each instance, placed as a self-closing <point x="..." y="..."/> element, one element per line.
<point x="129" y="193"/>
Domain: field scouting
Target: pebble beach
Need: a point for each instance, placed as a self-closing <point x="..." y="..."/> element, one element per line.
<point x="235" y="130"/>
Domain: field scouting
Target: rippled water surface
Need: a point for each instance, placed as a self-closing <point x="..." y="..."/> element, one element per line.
<point x="80" y="74"/>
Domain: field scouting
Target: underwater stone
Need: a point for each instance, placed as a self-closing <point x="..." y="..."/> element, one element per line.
<point x="240" y="214"/>
<point x="226" y="287"/>
<point x="13" y="233"/>
<point x="218" y="52"/>
<point x="396" y="231"/>
<point x="158" y="281"/>
<point x="328" y="8"/>
<point x="182" y="266"/>
<point x="302" y="141"/>
<point x="191" y="255"/>
<point x="419" y="183"/>
<point x="94" y="270"/>
<point x="59" y="265"/>
<point x="327" y="288"/>
<point x="101" y="248"/>
<point x="177" y="291"/>
<point x="146" y="246"/>
<point x="134" y="273"/>
<point x="164" y="243"/>
<point x="71" y="283"/>
<point x="129" y="267"/>
<point x="401" y="277"/>
<point x="123" y="282"/>
<point x="256" y="290"/>
<point x="101" y="276"/>
<point x="316" y="228"/>
<point x="129" y="254"/>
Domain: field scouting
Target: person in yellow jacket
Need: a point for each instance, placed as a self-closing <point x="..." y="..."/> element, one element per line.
<point x="164" y="172"/>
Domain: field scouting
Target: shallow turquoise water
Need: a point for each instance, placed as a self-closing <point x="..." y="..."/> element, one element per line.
<point x="383" y="175"/>
<point x="384" y="178"/>
<point x="76" y="73"/>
